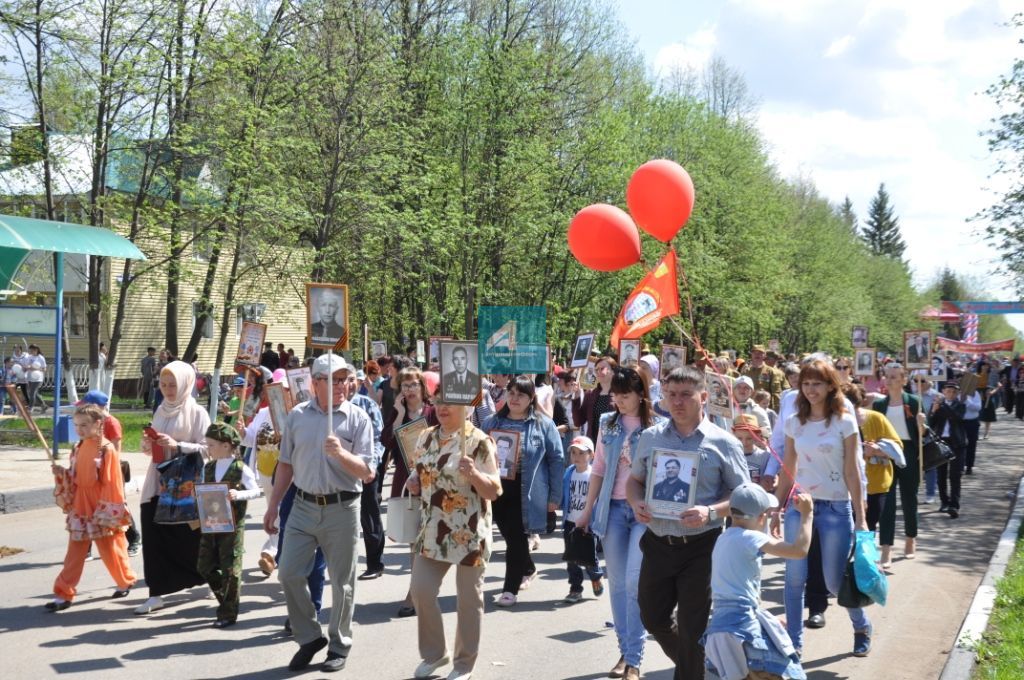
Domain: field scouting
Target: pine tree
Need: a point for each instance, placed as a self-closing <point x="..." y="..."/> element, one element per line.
<point x="882" y="229"/>
<point x="847" y="215"/>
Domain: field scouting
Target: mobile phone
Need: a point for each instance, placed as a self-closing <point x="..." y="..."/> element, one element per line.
<point x="150" y="432"/>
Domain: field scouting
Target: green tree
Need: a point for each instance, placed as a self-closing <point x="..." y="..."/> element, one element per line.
<point x="882" y="228"/>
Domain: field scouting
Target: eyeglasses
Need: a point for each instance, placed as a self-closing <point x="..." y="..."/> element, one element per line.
<point x="337" y="382"/>
<point x="410" y="386"/>
<point x="842" y="368"/>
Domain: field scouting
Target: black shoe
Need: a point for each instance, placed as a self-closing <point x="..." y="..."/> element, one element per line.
<point x="58" y="606"/>
<point x="334" y="662"/>
<point x="223" y="623"/>
<point x="405" y="612"/>
<point x="815" y="620"/>
<point x="969" y="471"/>
<point x="306" y="653"/>
<point x="118" y="594"/>
<point x="954" y="513"/>
<point x="288" y="626"/>
<point x="369" y="575"/>
<point x="944" y="507"/>
<point x="133" y="549"/>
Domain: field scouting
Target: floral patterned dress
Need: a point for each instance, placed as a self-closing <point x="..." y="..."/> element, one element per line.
<point x="91" y="491"/>
<point x="456" y="526"/>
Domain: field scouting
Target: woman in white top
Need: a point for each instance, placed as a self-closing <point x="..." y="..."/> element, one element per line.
<point x="822" y="456"/>
<point x="170" y="551"/>
<point x="35" y="373"/>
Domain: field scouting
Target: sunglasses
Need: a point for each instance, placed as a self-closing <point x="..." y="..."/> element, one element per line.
<point x="842" y="368"/>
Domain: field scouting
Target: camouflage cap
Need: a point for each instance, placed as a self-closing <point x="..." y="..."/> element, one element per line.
<point x="222" y="432"/>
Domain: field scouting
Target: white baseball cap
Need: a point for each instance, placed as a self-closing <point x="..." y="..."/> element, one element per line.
<point x="321" y="366"/>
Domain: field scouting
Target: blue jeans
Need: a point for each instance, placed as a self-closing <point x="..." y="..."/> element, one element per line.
<point x="931" y="483"/>
<point x="833" y="524"/>
<point x="622" y="558"/>
<point x="317" y="574"/>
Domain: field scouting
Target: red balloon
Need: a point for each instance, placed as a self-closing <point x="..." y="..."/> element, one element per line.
<point x="604" y="238"/>
<point x="660" y="198"/>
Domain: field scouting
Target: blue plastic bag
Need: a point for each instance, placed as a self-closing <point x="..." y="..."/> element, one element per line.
<point x="870" y="578"/>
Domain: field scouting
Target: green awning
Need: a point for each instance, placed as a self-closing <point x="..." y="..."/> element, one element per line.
<point x="21" y="235"/>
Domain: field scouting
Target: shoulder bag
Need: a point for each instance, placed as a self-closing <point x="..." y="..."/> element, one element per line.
<point x="935" y="452"/>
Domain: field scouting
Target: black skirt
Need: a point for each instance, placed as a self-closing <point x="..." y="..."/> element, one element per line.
<point x="170" y="553"/>
<point x="988" y="408"/>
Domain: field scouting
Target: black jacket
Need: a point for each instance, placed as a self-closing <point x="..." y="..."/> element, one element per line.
<point x="953" y="414"/>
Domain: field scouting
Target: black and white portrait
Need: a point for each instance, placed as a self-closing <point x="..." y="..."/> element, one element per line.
<point x="506" y="444"/>
<point x="671" y="482"/>
<point x="859" y="337"/>
<point x="672" y="357"/>
<point x="629" y="353"/>
<point x="300" y="383"/>
<point x="581" y="352"/>
<point x="720" y="395"/>
<point x="378" y="348"/>
<point x="327" y="315"/>
<point x="864" y="362"/>
<point x="460" y="372"/>
<point x="917" y="349"/>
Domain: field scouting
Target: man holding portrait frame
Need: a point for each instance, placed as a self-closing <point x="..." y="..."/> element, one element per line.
<point x="675" y="575"/>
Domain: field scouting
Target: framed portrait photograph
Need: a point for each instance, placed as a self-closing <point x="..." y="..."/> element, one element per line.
<point x="720" y="402"/>
<point x="859" y="337"/>
<point x="327" y="315"/>
<point x="672" y="357"/>
<point x="250" y="343"/>
<point x="214" y="503"/>
<point x="629" y="353"/>
<point x="435" y="347"/>
<point x="408" y="435"/>
<point x="671" y="482"/>
<point x="460" y="372"/>
<point x="378" y="349"/>
<point x="864" y="361"/>
<point x="421" y="352"/>
<point x="917" y="349"/>
<point x="300" y="382"/>
<point x="507" y="445"/>
<point x="938" y="371"/>
<point x="279" y="403"/>
<point x="581" y="350"/>
<point x="587" y="377"/>
<point x="774" y="345"/>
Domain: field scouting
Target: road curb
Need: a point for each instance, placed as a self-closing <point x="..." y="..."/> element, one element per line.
<point x="23" y="500"/>
<point x="962" y="658"/>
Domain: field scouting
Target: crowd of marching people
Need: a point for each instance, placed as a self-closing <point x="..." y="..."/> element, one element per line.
<point x="811" y="455"/>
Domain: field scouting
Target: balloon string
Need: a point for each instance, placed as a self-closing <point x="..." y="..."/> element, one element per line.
<point x="699" y="349"/>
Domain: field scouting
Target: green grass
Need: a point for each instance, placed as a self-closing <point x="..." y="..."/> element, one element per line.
<point x="1001" y="649"/>
<point x="131" y="423"/>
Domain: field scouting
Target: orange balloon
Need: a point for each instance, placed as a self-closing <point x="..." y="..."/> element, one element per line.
<point x="660" y="198"/>
<point x="604" y="238"/>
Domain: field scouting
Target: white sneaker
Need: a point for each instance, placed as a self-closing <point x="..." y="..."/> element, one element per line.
<point x="460" y="675"/>
<point x="928" y="500"/>
<point x="150" y="605"/>
<point x="505" y="600"/>
<point x="534" y="542"/>
<point x="427" y="668"/>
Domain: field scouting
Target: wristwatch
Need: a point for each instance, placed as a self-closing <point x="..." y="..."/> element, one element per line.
<point x="712" y="514"/>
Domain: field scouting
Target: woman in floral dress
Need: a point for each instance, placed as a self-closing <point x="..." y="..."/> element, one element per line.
<point x="457" y="481"/>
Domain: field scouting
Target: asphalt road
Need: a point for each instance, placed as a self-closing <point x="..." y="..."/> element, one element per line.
<point x="538" y="638"/>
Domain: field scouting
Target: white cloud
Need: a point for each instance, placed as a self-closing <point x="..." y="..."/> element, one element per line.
<point x="689" y="55"/>
<point x="838" y="46"/>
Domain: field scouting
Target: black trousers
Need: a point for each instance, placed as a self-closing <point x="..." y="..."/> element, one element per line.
<point x="677" y="578"/>
<point x="373" y="528"/>
<point x="508" y="515"/>
<point x="972" y="427"/>
<point x="815" y="592"/>
<point x="876" y="506"/>
<point x="1008" y="399"/>
<point x="949" y="478"/>
<point x="1018" y="406"/>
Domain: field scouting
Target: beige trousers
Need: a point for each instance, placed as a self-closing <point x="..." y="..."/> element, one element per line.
<point x="427" y="575"/>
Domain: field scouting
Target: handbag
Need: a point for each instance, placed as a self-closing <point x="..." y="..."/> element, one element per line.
<point x="404" y="518"/>
<point x="580" y="548"/>
<point x="871" y="580"/>
<point x="178" y="478"/>
<point x="935" y="452"/>
<point x="850" y="595"/>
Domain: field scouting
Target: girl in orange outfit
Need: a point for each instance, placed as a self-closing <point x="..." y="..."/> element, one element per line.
<point x="91" y="493"/>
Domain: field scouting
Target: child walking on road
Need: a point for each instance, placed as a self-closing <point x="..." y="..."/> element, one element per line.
<point x="91" y="493"/>
<point x="580" y="546"/>
<point x="220" y="554"/>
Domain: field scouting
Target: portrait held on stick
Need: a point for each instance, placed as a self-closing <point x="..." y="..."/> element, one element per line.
<point x="581" y="351"/>
<point x="629" y="353"/>
<point x="864" y="361"/>
<point x="859" y="337"/>
<point x="720" y="402"/>
<point x="250" y="343"/>
<point x="671" y="482"/>
<point x="917" y="349"/>
<point x="460" y="372"/>
<point x="378" y="349"/>
<point x="672" y="357"/>
<point x="327" y="315"/>
<point x="300" y="384"/>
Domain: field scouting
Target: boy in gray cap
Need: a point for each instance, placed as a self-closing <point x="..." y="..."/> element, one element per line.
<point x="743" y="639"/>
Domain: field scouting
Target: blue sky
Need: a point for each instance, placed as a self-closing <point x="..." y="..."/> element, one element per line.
<point x="857" y="92"/>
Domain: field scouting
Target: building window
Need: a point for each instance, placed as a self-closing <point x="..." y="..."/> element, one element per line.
<point x="250" y="311"/>
<point x="207" y="324"/>
<point x="76" y="317"/>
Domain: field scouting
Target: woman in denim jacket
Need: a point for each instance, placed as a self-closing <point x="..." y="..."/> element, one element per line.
<point x="536" y="486"/>
<point x="609" y="515"/>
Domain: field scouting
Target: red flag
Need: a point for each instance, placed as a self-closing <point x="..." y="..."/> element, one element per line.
<point x="654" y="298"/>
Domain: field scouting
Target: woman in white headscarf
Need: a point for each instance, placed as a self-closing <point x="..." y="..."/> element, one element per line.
<point x="170" y="551"/>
